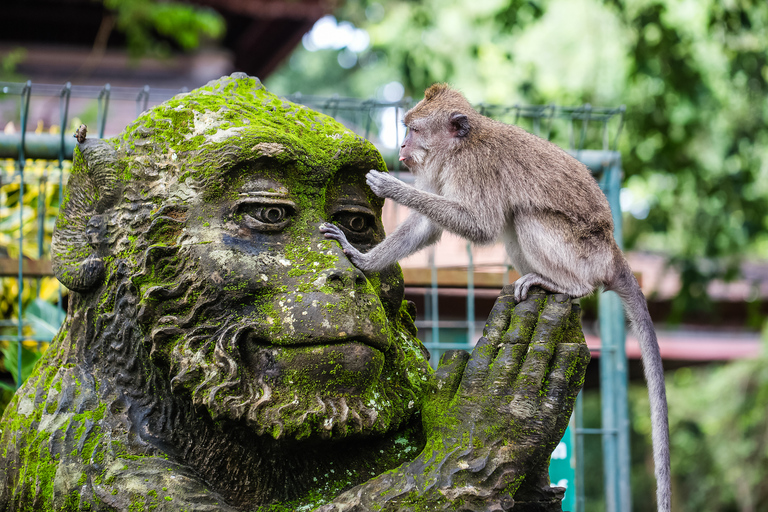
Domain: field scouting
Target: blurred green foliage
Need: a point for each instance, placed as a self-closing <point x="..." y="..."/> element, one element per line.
<point x="693" y="75"/>
<point x="718" y="434"/>
<point x="8" y="63"/>
<point x="143" y="21"/>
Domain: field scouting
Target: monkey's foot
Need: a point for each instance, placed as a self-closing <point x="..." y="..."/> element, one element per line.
<point x="524" y="284"/>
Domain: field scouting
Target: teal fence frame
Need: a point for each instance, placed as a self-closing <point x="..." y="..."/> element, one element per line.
<point x="590" y="134"/>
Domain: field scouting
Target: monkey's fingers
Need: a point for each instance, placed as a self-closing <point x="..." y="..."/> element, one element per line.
<point x="374" y="180"/>
<point x="333" y="232"/>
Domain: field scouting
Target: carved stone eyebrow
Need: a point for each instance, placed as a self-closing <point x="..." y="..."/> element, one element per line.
<point x="263" y="188"/>
<point x="263" y="193"/>
<point x="354" y="206"/>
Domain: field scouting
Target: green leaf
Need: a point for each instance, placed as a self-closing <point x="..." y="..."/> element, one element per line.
<point x="6" y="386"/>
<point x="11" y="357"/>
<point x="45" y="318"/>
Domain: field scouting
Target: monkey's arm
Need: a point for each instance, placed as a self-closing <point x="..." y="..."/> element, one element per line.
<point x="492" y="419"/>
<point x="474" y="225"/>
<point x="415" y="233"/>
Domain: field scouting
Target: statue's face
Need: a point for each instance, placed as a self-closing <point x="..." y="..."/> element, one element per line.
<point x="285" y="333"/>
<point x="210" y="206"/>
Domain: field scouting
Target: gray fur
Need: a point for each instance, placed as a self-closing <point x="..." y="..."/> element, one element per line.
<point x="485" y="181"/>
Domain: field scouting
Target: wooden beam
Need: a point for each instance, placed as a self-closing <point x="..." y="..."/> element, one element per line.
<point x="446" y="277"/>
<point x="457" y="278"/>
<point x="9" y="267"/>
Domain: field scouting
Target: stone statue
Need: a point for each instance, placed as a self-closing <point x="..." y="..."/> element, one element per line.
<point x="220" y="354"/>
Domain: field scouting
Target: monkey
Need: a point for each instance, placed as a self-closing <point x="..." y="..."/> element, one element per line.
<point x="485" y="180"/>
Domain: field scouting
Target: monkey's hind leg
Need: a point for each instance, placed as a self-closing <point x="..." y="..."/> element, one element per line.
<point x="525" y="282"/>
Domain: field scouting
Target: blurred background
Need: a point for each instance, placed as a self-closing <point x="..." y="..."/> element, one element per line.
<point x="683" y="88"/>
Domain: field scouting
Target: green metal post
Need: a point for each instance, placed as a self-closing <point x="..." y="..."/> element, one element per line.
<point x="434" y="312"/>
<point x="66" y="94"/>
<point x="470" y="297"/>
<point x="26" y="92"/>
<point x="102" y="112"/>
<point x="613" y="372"/>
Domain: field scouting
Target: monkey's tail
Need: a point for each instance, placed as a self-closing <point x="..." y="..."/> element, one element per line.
<point x="627" y="287"/>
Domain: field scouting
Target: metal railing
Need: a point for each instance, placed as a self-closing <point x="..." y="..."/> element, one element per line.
<point x="37" y="161"/>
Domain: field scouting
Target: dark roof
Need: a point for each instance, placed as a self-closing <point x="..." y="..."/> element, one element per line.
<point x="260" y="33"/>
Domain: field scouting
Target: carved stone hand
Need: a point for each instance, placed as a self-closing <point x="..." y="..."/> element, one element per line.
<point x="493" y="417"/>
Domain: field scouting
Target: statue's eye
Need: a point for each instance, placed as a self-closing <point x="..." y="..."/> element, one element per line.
<point x="261" y="216"/>
<point x="359" y="225"/>
<point x="357" y="222"/>
<point x="271" y="214"/>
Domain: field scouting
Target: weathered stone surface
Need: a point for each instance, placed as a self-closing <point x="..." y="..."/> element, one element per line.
<point x="220" y="354"/>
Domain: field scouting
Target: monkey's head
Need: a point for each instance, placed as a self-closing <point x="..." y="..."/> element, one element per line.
<point x="201" y="222"/>
<point x="442" y="120"/>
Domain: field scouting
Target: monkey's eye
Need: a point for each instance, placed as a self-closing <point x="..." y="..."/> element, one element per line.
<point x="263" y="216"/>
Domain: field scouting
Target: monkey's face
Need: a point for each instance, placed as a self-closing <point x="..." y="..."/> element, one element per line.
<point x="414" y="151"/>
<point x="432" y="134"/>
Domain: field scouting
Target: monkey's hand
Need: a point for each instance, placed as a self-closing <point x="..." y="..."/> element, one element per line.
<point x="493" y="418"/>
<point x="385" y="185"/>
<point x="334" y="232"/>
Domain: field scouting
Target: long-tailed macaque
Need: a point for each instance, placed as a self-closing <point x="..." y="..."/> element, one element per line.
<point x="485" y="180"/>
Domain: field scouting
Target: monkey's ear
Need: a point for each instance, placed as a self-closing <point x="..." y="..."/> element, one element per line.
<point x="459" y="124"/>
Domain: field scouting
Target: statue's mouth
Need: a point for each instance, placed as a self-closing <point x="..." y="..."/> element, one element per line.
<point x="345" y="365"/>
<point x="380" y="343"/>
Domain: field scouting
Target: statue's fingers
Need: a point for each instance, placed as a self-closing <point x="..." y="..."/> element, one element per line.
<point x="514" y="342"/>
<point x="505" y="367"/>
<point x="553" y="320"/>
<point x="474" y="379"/>
<point x="522" y="322"/>
<point x="563" y="385"/>
<point x="575" y="344"/>
<point x="498" y="320"/>
<point x="577" y="369"/>
<point x="449" y="372"/>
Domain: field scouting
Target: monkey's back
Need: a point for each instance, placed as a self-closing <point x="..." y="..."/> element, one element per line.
<point x="558" y="220"/>
<point x="536" y="175"/>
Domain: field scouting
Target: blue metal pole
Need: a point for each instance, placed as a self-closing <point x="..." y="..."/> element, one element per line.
<point x="613" y="371"/>
<point x="66" y="93"/>
<point x="25" y="94"/>
<point x="435" y="312"/>
<point x="622" y="400"/>
<point x="103" y="106"/>
<point x="470" y="297"/>
<point x="578" y="418"/>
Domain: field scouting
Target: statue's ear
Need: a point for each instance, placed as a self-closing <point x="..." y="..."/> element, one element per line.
<point x="80" y="236"/>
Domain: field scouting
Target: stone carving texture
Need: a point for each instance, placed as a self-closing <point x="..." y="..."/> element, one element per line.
<point x="220" y="354"/>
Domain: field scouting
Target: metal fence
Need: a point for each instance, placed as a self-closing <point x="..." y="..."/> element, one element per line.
<point x="36" y="144"/>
